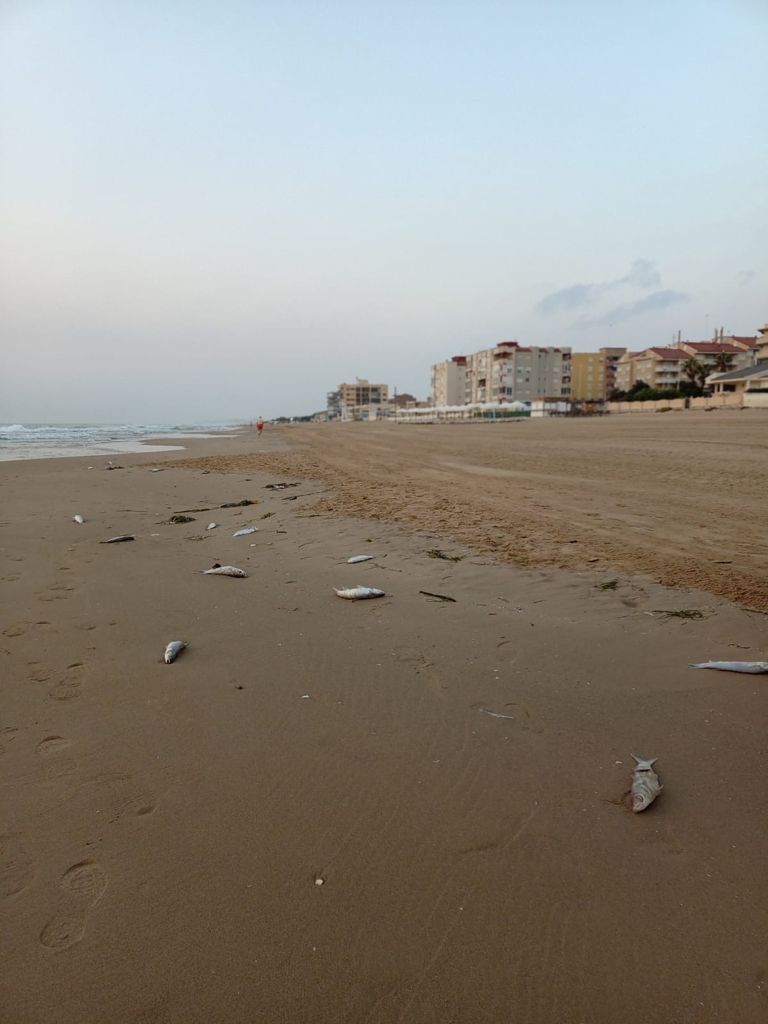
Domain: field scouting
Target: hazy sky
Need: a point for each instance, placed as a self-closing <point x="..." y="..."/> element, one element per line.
<point x="217" y="209"/>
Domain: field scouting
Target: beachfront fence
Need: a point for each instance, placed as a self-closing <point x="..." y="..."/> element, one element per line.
<point x="726" y="401"/>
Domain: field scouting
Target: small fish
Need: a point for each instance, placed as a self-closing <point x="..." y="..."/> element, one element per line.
<point x="156" y="470"/>
<point x="754" y="668"/>
<point x="495" y="714"/>
<point x="118" y="540"/>
<point x="645" y="784"/>
<point x="245" y="531"/>
<point x="359" y="558"/>
<point x="173" y="650"/>
<point x="78" y="519"/>
<point x="211" y="526"/>
<point x="358" y="593"/>
<point x="225" y="570"/>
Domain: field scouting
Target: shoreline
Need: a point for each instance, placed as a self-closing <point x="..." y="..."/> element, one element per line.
<point x="106" y="448"/>
<point x="451" y="771"/>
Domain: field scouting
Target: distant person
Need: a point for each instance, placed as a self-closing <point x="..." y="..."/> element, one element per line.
<point x="260" y="425"/>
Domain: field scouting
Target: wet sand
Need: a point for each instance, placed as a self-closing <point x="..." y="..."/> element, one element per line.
<point x="452" y="772"/>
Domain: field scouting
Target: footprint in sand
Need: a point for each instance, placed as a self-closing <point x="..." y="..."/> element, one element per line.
<point x="14" y="630"/>
<point x="82" y="887"/>
<point x="60" y="769"/>
<point x="70" y="686"/>
<point x="52" y="745"/>
<point x="17" y="869"/>
<point x="137" y="806"/>
<point x="67" y="689"/>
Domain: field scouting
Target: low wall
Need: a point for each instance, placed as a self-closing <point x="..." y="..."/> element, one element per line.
<point x="654" y="406"/>
<point x="725" y="401"/>
<point x="756" y="400"/>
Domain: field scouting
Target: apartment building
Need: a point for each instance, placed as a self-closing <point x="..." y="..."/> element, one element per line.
<point x="762" y="343"/>
<point x="359" y="401"/>
<point x="593" y="374"/>
<point x="624" y="376"/>
<point x="660" y="367"/>
<point x="707" y="353"/>
<point x="508" y="372"/>
<point x="449" y="382"/>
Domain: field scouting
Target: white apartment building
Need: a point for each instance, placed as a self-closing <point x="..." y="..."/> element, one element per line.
<point x="508" y="372"/>
<point x="449" y="382"/>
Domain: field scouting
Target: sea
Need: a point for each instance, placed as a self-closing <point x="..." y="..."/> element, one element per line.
<point x="65" y="440"/>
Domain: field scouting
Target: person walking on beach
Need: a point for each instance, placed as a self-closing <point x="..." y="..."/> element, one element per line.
<point x="259" y="425"/>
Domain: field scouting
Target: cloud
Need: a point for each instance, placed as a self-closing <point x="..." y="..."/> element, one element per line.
<point x="568" y="298"/>
<point x="653" y="303"/>
<point x="745" y="276"/>
<point x="642" y="274"/>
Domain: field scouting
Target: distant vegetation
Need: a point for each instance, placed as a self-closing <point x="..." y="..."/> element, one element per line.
<point x="642" y="392"/>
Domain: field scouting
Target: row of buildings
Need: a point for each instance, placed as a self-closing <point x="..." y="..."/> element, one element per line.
<point x="511" y="373"/>
<point x="666" y="367"/>
<point x="364" y="401"/>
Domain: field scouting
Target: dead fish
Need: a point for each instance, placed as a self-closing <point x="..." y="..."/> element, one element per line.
<point x="118" y="540"/>
<point x="359" y="558"/>
<point x="754" y="668"/>
<point x="495" y="714"/>
<point x="173" y="650"/>
<point x="211" y="526"/>
<point x="225" y="570"/>
<point x="645" y="784"/>
<point x="156" y="470"/>
<point x="78" y="519"/>
<point x="358" y="593"/>
<point x="245" y="531"/>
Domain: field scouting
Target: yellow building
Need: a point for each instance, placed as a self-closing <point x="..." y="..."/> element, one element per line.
<point x="593" y="374"/>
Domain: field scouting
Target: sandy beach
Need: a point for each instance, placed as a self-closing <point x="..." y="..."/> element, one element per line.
<point x="402" y="810"/>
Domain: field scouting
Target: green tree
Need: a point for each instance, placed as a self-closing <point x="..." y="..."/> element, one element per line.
<point x="723" y="362"/>
<point x="695" y="371"/>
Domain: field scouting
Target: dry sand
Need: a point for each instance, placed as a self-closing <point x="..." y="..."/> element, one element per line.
<point x="165" y="825"/>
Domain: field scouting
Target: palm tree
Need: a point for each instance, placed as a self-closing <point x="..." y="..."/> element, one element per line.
<point x="694" y="370"/>
<point x="723" y="362"/>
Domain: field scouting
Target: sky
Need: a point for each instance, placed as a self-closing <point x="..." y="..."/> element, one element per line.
<point x="212" y="209"/>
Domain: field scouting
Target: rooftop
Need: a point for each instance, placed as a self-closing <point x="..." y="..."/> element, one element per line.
<point x="761" y="370"/>
<point x="667" y="353"/>
<point x="713" y="346"/>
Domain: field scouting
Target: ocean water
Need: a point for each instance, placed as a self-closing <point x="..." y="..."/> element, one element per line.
<point x="65" y="440"/>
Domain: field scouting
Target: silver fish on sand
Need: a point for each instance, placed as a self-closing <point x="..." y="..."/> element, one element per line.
<point x="754" y="668"/>
<point x="225" y="570"/>
<point x="211" y="526"/>
<point x="359" y="558"/>
<point x="358" y="593"/>
<point x="645" y="783"/>
<point x="173" y="650"/>
<point x="118" y="540"/>
<point x="78" y="519"/>
<point x="245" y="531"/>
